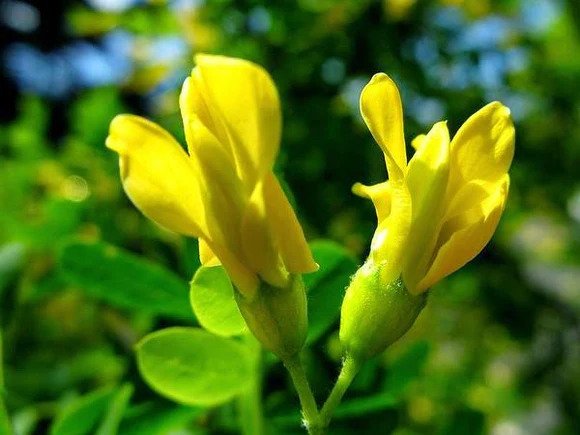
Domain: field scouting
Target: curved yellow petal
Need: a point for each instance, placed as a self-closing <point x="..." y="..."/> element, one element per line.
<point x="237" y="101"/>
<point x="426" y="178"/>
<point x="206" y="255"/>
<point x="483" y="148"/>
<point x="381" y="109"/>
<point x="258" y="242"/>
<point x="157" y="175"/>
<point x="286" y="229"/>
<point x="379" y="194"/>
<point x="418" y="141"/>
<point x="389" y="241"/>
<point x="465" y="235"/>
<point x="245" y="280"/>
<point x="223" y="194"/>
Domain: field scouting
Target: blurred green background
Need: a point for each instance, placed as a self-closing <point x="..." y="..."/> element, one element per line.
<point x="497" y="350"/>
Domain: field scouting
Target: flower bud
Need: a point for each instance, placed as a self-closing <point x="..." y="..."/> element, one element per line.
<point x="376" y="312"/>
<point x="277" y="317"/>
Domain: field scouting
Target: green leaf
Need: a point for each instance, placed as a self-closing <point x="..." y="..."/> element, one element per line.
<point x="326" y="286"/>
<point x="157" y="418"/>
<point x="124" y="280"/>
<point x="115" y="411"/>
<point x="82" y="416"/>
<point x="193" y="367"/>
<point x="212" y="299"/>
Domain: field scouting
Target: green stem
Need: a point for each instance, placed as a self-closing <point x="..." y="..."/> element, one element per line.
<point x="350" y="368"/>
<point x="307" y="401"/>
<point x="250" y="402"/>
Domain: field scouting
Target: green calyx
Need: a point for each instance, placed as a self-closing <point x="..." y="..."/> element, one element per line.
<point x="375" y="314"/>
<point x="277" y="316"/>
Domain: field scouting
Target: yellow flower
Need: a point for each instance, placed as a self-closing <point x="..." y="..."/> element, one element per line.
<point x="223" y="189"/>
<point x="438" y="211"/>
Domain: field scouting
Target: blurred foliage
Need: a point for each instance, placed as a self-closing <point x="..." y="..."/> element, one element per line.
<point x="83" y="276"/>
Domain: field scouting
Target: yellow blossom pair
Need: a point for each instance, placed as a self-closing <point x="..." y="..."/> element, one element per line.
<point x="223" y="189"/>
<point x="438" y="211"/>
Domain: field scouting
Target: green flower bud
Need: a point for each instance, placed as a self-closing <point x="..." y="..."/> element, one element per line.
<point x="277" y="317"/>
<point x="374" y="313"/>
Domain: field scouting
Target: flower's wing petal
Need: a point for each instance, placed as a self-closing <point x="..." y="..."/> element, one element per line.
<point x="389" y="241"/>
<point x="468" y="197"/>
<point x="379" y="194"/>
<point x="426" y="177"/>
<point x="259" y="245"/>
<point x="238" y="102"/>
<point x="157" y="175"/>
<point x="224" y="198"/>
<point x="465" y="235"/>
<point x="483" y="148"/>
<point x="206" y="255"/>
<point x="224" y="203"/>
<point x="418" y="141"/>
<point x="381" y="109"/>
<point x="286" y="229"/>
<point x="245" y="280"/>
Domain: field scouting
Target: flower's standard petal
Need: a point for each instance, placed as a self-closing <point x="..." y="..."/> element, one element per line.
<point x="426" y="178"/>
<point x="379" y="194"/>
<point x="483" y="148"/>
<point x="286" y="229"/>
<point x="381" y="109"/>
<point x="157" y="175"/>
<point x="237" y="101"/>
<point x="465" y="235"/>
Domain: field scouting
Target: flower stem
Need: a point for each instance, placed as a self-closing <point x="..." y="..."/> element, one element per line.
<point x="307" y="401"/>
<point x="350" y="368"/>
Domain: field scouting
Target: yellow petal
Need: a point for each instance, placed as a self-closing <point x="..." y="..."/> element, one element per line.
<point x="206" y="255"/>
<point x="381" y="109"/>
<point x="224" y="203"/>
<point x="465" y="235"/>
<point x="237" y="101"/>
<point x="483" y="147"/>
<point x="244" y="279"/>
<point x="258" y="242"/>
<point x="426" y="178"/>
<point x="224" y="198"/>
<point x="157" y="175"/>
<point x="379" y="194"/>
<point x="389" y="241"/>
<point x="286" y="229"/>
<point x="418" y="141"/>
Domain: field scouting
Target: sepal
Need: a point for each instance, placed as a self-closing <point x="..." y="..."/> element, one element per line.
<point x="375" y="313"/>
<point x="277" y="317"/>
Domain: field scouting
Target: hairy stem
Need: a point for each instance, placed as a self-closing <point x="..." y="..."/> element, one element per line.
<point x="350" y="368"/>
<point x="307" y="401"/>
